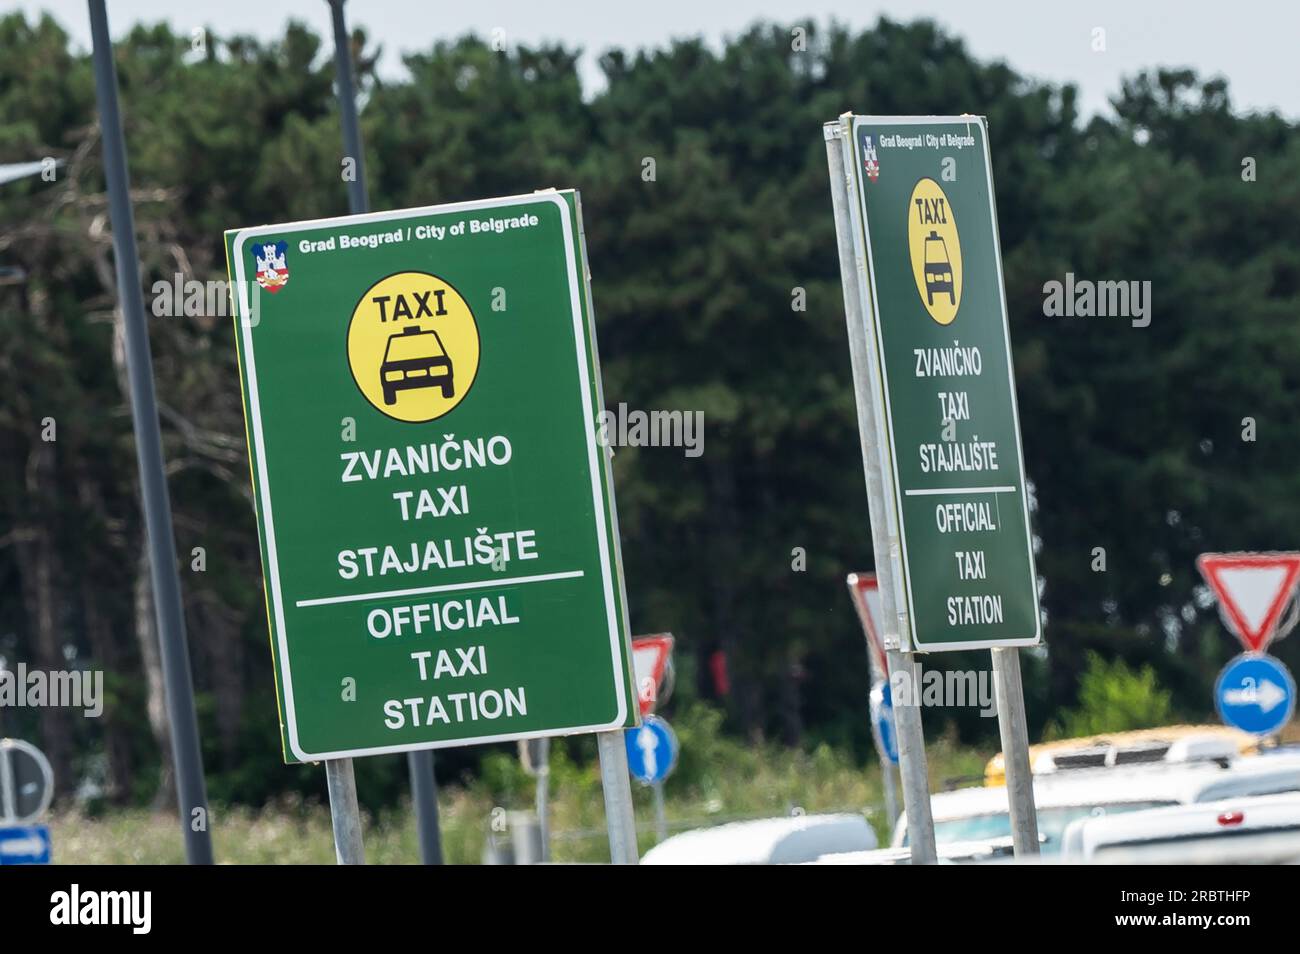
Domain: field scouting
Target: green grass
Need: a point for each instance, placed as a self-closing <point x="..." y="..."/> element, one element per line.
<point x="719" y="779"/>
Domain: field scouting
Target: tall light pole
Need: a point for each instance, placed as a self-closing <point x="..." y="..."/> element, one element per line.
<point x="178" y="689"/>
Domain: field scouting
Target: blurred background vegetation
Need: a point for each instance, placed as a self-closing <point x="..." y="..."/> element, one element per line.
<point x="719" y="779"/>
<point x="1133" y="437"/>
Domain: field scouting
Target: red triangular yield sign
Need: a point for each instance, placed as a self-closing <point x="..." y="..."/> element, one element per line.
<point x="650" y="656"/>
<point x="1252" y="589"/>
<point x="865" y="592"/>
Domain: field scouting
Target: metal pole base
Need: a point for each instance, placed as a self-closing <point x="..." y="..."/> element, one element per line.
<point x="617" y="784"/>
<point x="1009" y="693"/>
<point x="913" y="771"/>
<point x="424" y="798"/>
<point x="344" y="813"/>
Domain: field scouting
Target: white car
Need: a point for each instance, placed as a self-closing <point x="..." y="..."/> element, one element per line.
<point x="948" y="853"/>
<point x="1260" y="830"/>
<point x="981" y="814"/>
<point x="766" y="841"/>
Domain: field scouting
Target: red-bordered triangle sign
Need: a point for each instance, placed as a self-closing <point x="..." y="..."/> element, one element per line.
<point x="1253" y="589"/>
<point x="866" y="600"/>
<point x="650" y="656"/>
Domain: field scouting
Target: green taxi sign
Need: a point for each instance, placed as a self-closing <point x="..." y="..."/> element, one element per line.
<point x="925" y="241"/>
<point x="435" y="507"/>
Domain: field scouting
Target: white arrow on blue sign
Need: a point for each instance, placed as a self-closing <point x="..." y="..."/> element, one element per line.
<point x="651" y="750"/>
<point x="25" y="845"/>
<point x="882" y="722"/>
<point x="1255" y="693"/>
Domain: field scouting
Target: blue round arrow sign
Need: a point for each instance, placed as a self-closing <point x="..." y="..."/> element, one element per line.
<point x="1255" y="693"/>
<point x="882" y="722"/>
<point x="651" y="750"/>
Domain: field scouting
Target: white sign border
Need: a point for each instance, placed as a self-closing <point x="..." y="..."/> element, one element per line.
<point x="254" y="414"/>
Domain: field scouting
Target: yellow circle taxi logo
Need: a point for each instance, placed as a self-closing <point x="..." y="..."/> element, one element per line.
<point x="936" y="251"/>
<point x="413" y="346"/>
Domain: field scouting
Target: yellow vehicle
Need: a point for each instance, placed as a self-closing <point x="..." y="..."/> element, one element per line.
<point x="415" y="358"/>
<point x="1171" y="744"/>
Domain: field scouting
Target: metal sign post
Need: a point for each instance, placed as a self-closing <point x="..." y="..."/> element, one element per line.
<point x="619" y="818"/>
<point x="889" y="780"/>
<point x="1009" y="693"/>
<point x="424" y="784"/>
<point x="911" y="741"/>
<point x="345" y="814"/>
<point x="542" y="798"/>
<point x="190" y="788"/>
<point x="661" y="813"/>
<point x="535" y="757"/>
<point x="358" y="200"/>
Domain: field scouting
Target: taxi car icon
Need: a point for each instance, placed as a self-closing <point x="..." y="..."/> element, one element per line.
<point x="938" y="270"/>
<point x="415" y="358"/>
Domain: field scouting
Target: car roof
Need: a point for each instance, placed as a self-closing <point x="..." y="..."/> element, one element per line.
<point x="951" y="852"/>
<point x="1261" y="812"/>
<point x="1183" y="783"/>
<point x="1082" y="787"/>
<point x="766" y="841"/>
<point x="427" y="342"/>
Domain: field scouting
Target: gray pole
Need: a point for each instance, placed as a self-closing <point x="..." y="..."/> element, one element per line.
<point x="424" y="799"/>
<point x="543" y="797"/>
<point x="912" y="768"/>
<point x="525" y="839"/>
<point x="424" y="786"/>
<point x="1010" y="696"/>
<point x="344" y="812"/>
<point x="357" y="199"/>
<point x="614" y="780"/>
<point x="661" y="815"/>
<point x="191" y="791"/>
<point x="907" y="712"/>
<point x="617" y="785"/>
<point x="887" y="773"/>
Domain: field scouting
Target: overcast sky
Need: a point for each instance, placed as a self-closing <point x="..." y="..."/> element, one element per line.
<point x="1251" y="42"/>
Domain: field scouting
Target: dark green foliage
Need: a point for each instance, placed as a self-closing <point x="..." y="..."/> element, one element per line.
<point x="1133" y="436"/>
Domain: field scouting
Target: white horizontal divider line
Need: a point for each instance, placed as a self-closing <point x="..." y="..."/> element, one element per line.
<point x="448" y="588"/>
<point x="938" y="491"/>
